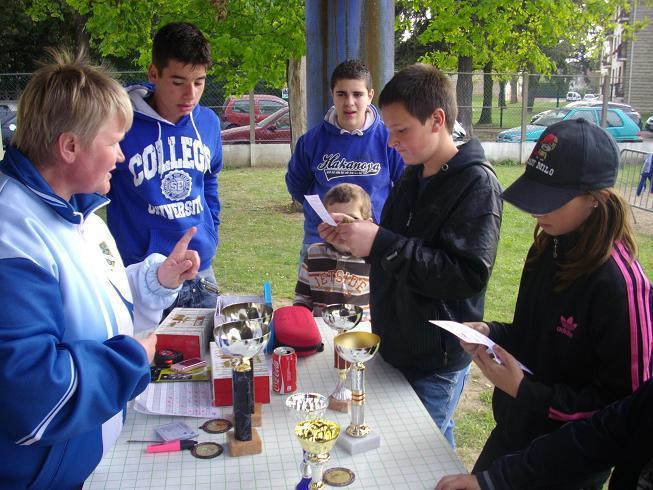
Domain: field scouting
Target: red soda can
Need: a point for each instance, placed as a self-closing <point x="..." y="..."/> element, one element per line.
<point x="284" y="370"/>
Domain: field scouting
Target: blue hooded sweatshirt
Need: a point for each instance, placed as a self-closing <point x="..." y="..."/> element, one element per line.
<point x="167" y="183"/>
<point x="327" y="156"/>
<point x="68" y="363"/>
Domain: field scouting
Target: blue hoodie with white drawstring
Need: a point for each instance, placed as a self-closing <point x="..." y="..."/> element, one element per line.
<point x="167" y="183"/>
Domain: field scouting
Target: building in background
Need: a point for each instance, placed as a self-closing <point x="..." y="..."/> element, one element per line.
<point x="629" y="63"/>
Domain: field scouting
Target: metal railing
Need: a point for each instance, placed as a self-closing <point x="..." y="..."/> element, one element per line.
<point x="635" y="179"/>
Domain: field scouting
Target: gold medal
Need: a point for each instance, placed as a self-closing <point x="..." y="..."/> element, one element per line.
<point x="206" y="450"/>
<point x="217" y="426"/>
<point x="338" y="477"/>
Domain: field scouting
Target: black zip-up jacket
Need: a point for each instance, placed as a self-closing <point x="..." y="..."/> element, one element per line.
<point x="619" y="435"/>
<point x="432" y="258"/>
<point x="587" y="346"/>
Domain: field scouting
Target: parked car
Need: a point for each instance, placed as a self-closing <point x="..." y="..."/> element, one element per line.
<point x="620" y="126"/>
<point x="571" y="96"/>
<point x="236" y="110"/>
<point x="627" y="109"/>
<point x="7" y="107"/>
<point x="459" y="133"/>
<point x="649" y="124"/>
<point x="273" y="129"/>
<point x="590" y="97"/>
<point x="7" y="127"/>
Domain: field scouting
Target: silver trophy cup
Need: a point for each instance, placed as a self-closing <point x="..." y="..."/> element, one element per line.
<point x="341" y="318"/>
<point x="243" y="338"/>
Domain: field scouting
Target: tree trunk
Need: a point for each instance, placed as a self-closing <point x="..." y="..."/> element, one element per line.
<point x="513" y="89"/>
<point x="533" y="85"/>
<point x="83" y="45"/>
<point x="488" y="85"/>
<point x="464" y="89"/>
<point x="296" y="73"/>
<point x="502" y="93"/>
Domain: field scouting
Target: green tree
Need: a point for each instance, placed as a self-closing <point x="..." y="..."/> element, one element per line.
<point x="22" y="39"/>
<point x="251" y="40"/>
<point x="511" y="35"/>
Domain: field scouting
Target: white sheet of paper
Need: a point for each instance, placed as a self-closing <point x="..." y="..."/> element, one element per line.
<point x="471" y="336"/>
<point x="186" y="399"/>
<point x="316" y="203"/>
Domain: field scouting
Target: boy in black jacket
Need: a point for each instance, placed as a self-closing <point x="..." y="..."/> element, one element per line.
<point x="432" y="255"/>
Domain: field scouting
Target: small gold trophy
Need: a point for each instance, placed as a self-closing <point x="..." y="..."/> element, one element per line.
<point x="341" y="318"/>
<point x="306" y="406"/>
<point x="317" y="437"/>
<point x="357" y="348"/>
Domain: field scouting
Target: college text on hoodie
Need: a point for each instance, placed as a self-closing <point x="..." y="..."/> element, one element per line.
<point x="432" y="259"/>
<point x="167" y="183"/>
<point x="68" y="363"/>
<point x="327" y="156"/>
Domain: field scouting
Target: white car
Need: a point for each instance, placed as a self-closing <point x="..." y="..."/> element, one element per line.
<point x="649" y="124"/>
<point x="572" y="96"/>
<point x="590" y="97"/>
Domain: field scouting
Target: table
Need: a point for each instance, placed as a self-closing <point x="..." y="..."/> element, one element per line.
<point x="413" y="452"/>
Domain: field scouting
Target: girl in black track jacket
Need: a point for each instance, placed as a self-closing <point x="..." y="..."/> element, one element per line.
<point x="582" y="322"/>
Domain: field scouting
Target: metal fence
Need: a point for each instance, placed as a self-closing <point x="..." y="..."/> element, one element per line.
<point x="492" y="103"/>
<point x="635" y="179"/>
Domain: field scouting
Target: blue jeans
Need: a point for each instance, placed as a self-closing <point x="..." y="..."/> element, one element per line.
<point x="440" y="393"/>
<point x="192" y="295"/>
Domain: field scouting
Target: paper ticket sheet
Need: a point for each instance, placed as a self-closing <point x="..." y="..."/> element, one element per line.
<point x="183" y="399"/>
<point x="472" y="336"/>
<point x="316" y="203"/>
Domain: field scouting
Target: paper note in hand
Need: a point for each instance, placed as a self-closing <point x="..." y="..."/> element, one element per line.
<point x="471" y="336"/>
<point x="316" y="203"/>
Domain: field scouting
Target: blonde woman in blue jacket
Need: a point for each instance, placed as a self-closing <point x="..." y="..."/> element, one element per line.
<point x="68" y="359"/>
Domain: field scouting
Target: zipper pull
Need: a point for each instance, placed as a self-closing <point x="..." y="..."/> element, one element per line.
<point x="555" y="248"/>
<point x="410" y="218"/>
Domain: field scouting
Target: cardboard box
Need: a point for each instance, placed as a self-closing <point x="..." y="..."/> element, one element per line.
<point x="221" y="385"/>
<point x="187" y="330"/>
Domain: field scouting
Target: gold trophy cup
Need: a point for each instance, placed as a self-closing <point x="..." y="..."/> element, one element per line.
<point x="317" y="437"/>
<point x="358" y="348"/>
<point x="306" y="406"/>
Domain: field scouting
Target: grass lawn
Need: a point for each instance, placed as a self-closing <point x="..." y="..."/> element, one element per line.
<point x="260" y="238"/>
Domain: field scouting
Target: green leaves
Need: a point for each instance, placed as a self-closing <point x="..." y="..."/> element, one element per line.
<point x="250" y="40"/>
<point x="513" y="35"/>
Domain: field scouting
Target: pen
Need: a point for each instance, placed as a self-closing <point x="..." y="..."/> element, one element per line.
<point x="171" y="446"/>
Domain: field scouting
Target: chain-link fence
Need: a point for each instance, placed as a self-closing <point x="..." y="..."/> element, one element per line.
<point x="504" y="107"/>
<point x="507" y="107"/>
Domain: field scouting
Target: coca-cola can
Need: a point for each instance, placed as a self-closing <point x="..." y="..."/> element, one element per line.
<point x="284" y="370"/>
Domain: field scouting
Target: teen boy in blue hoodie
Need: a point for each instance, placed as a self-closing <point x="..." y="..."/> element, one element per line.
<point x="349" y="145"/>
<point x="173" y="155"/>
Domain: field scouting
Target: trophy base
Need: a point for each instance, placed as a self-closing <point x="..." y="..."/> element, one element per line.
<point x="257" y="416"/>
<point x="357" y="445"/>
<point x="244" y="448"/>
<point x="339" y="405"/>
